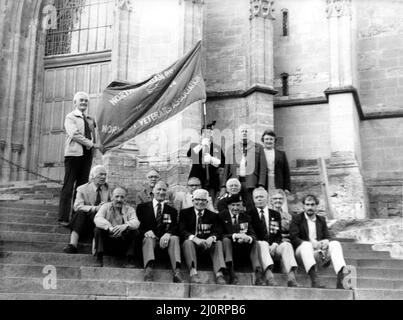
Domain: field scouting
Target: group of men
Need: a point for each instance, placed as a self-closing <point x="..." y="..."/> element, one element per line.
<point x="187" y="223"/>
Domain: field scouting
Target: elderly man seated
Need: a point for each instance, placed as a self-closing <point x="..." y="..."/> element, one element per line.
<point x="200" y="232"/>
<point x="277" y="200"/>
<point x="90" y="197"/>
<point x="184" y="200"/>
<point x="311" y="240"/>
<point x="233" y="187"/>
<point x="116" y="229"/>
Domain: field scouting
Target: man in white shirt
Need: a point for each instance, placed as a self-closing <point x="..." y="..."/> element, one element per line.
<point x="116" y="228"/>
<point x="311" y="240"/>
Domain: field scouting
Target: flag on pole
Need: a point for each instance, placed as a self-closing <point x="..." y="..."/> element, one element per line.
<point x="126" y="109"/>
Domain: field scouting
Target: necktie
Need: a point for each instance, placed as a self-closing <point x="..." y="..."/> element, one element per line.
<point x="159" y="215"/>
<point x="235" y="223"/>
<point x="98" y="199"/>
<point x="263" y="219"/>
<point x="199" y="228"/>
<point x="87" y="128"/>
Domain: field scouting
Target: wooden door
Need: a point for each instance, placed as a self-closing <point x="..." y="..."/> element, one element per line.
<point x="59" y="88"/>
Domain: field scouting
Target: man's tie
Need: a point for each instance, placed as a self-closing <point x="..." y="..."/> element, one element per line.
<point x="159" y="215"/>
<point x="98" y="199"/>
<point x="199" y="216"/>
<point x="263" y="219"/>
<point x="87" y="128"/>
<point x="235" y="223"/>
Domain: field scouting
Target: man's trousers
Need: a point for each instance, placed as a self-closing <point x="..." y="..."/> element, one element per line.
<point x="174" y="251"/>
<point x="240" y="249"/>
<point x="216" y="254"/>
<point x="123" y="245"/>
<point x="283" y="252"/>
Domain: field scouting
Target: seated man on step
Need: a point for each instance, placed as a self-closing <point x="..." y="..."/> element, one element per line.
<point x="267" y="226"/>
<point x="239" y="239"/>
<point x="310" y="237"/>
<point x="159" y="231"/>
<point x="116" y="229"/>
<point x="233" y="187"/>
<point x="90" y="197"/>
<point x="200" y="232"/>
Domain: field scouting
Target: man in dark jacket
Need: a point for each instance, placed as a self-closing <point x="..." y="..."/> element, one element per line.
<point x="267" y="226"/>
<point x="310" y="237"/>
<point x="200" y="231"/>
<point x="159" y="230"/>
<point x="238" y="236"/>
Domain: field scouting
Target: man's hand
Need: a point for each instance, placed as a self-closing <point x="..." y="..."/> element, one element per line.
<point x="118" y="230"/>
<point x="209" y="242"/>
<point x="200" y="242"/>
<point x="164" y="241"/>
<point x="324" y="244"/>
<point x="315" y="245"/>
<point x="205" y="142"/>
<point x="222" y="191"/>
<point x="98" y="146"/>
<point x="150" y="234"/>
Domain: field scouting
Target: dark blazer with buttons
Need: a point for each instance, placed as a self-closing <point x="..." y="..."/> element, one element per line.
<point x="282" y="178"/>
<point x="273" y="234"/>
<point x="148" y="221"/>
<point x="187" y="224"/>
<point x="244" y="222"/>
<point x="299" y="230"/>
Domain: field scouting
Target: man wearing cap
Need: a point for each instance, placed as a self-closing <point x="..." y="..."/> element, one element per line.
<point x="207" y="162"/>
<point x="159" y="231"/>
<point x="78" y="152"/>
<point x="267" y="225"/>
<point x="239" y="239"/>
<point x="199" y="230"/>
<point x="90" y="197"/>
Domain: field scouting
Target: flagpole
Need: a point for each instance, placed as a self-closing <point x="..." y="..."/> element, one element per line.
<point x="208" y="147"/>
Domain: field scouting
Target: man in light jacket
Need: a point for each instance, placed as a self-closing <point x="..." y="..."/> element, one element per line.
<point x="116" y="229"/>
<point x="79" y="147"/>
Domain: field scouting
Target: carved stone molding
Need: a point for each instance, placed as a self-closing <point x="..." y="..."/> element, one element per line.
<point x="338" y="8"/>
<point x="17" y="148"/>
<point x="262" y="8"/>
<point x="125" y="5"/>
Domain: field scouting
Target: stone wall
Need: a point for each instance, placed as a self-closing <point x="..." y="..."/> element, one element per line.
<point x="304" y="53"/>
<point x="380" y="54"/>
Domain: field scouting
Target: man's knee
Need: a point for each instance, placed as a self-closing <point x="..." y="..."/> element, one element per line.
<point x="188" y="244"/>
<point x="149" y="241"/>
<point x="286" y="247"/>
<point x="99" y="232"/>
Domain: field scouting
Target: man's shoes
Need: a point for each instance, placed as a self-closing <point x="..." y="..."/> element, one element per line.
<point x="177" y="277"/>
<point x="148" y="275"/>
<point x="220" y="280"/>
<point x="340" y="279"/>
<point x="292" y="283"/>
<point x="130" y="263"/>
<point x="195" y="279"/>
<point x="259" y="281"/>
<point x="70" y="249"/>
<point x="269" y="279"/>
<point x="99" y="262"/>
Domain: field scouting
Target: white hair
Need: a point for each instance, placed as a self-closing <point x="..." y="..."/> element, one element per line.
<point x="81" y="94"/>
<point x="201" y="193"/>
<point x="260" y="190"/>
<point x="95" y="171"/>
<point x="233" y="180"/>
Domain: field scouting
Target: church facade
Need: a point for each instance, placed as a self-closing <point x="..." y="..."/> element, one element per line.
<point x="326" y="75"/>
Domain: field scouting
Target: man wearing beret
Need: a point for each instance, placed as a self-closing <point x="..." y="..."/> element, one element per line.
<point x="239" y="239"/>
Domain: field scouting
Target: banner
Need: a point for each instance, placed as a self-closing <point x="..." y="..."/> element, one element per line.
<point x="128" y="109"/>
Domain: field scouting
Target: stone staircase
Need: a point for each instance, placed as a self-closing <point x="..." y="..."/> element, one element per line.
<point x="30" y="240"/>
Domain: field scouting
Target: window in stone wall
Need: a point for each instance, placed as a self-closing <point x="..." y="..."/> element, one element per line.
<point x="285" y="22"/>
<point x="284" y="84"/>
<point x="82" y="26"/>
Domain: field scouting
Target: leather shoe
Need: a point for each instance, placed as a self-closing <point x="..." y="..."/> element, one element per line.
<point x="292" y="283"/>
<point x="99" y="262"/>
<point x="148" y="275"/>
<point x="220" y="280"/>
<point x="233" y="279"/>
<point x="130" y="263"/>
<point x="64" y="224"/>
<point x="195" y="279"/>
<point x="270" y="282"/>
<point x="340" y="280"/>
<point x="317" y="284"/>
<point x="70" y="249"/>
<point x="177" y="277"/>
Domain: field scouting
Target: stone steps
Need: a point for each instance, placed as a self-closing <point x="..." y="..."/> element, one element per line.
<point x="131" y="289"/>
<point x="41" y="246"/>
<point x="31" y="227"/>
<point x="29" y="206"/>
<point x="27" y="212"/>
<point x="378" y="294"/>
<point x="13" y="218"/>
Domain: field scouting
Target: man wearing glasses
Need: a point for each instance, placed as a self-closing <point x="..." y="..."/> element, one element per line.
<point x="184" y="200"/>
<point x="146" y="194"/>
<point x="200" y="234"/>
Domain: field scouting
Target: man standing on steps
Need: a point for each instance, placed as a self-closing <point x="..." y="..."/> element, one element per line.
<point x="90" y="197"/>
<point x="267" y="226"/>
<point x="79" y="147"/>
<point x="116" y="231"/>
<point x="200" y="233"/>
<point x="310" y="237"/>
<point x="159" y="231"/>
<point x="146" y="194"/>
<point x="239" y="239"/>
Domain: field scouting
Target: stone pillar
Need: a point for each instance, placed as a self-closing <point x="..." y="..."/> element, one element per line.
<point x="347" y="183"/>
<point x="16" y="150"/>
